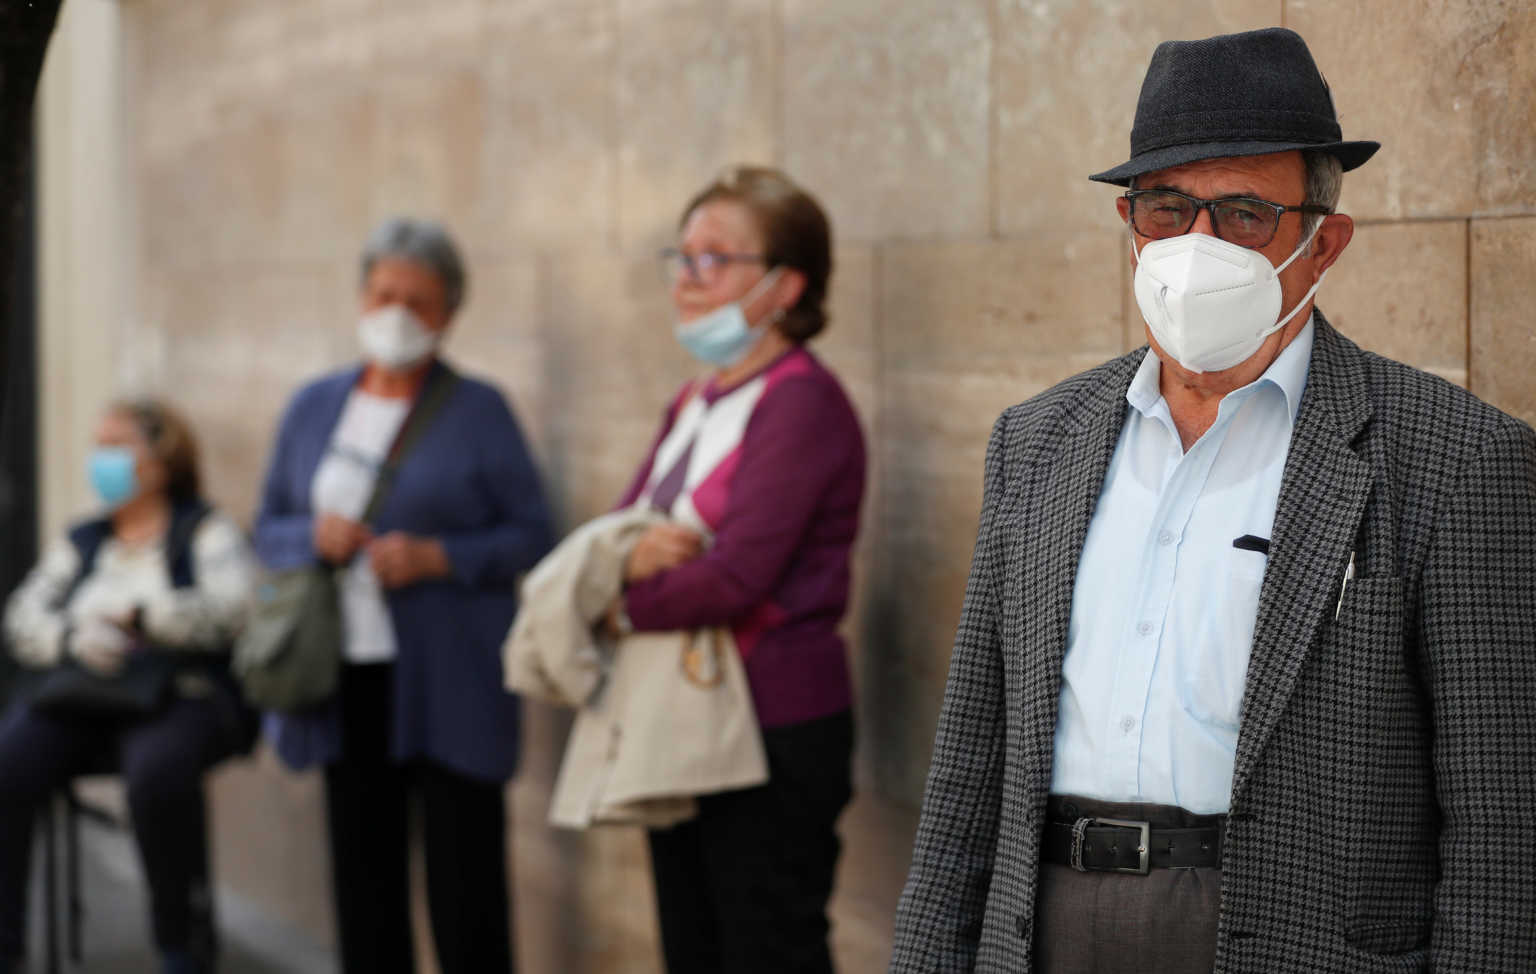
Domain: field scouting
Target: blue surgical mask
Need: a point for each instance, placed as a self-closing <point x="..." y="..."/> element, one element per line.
<point x="112" y="473"/>
<point x="723" y="337"/>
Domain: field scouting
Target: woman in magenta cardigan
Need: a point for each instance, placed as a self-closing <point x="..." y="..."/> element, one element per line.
<point x="761" y="466"/>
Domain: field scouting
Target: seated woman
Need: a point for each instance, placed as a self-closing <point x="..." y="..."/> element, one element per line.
<point x="159" y="582"/>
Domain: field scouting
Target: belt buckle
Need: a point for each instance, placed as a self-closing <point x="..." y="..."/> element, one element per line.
<point x="1143" y="849"/>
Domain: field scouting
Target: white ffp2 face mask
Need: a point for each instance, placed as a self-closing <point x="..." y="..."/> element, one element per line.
<point x="395" y="339"/>
<point x="1209" y="303"/>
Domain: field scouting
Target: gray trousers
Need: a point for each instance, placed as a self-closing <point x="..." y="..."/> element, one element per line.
<point x="1108" y="923"/>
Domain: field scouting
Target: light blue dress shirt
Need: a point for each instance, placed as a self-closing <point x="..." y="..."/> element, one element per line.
<point x="1164" y="604"/>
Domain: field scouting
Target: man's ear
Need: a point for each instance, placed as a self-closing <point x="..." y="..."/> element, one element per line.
<point x="1331" y="239"/>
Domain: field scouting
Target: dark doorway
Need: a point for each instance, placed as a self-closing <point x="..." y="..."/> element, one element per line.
<point x="18" y="408"/>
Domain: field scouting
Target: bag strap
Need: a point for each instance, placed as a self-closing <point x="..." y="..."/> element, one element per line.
<point x="429" y="402"/>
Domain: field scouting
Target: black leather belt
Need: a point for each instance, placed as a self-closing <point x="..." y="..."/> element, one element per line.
<point x="1122" y="846"/>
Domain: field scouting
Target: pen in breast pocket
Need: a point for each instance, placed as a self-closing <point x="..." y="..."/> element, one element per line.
<point x="1349" y="573"/>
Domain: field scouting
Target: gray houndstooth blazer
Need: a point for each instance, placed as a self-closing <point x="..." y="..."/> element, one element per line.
<point x="1383" y="813"/>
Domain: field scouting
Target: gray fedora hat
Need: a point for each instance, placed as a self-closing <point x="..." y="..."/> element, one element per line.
<point x="1246" y="94"/>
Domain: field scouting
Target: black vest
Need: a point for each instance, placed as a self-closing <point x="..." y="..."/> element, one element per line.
<point x="186" y="517"/>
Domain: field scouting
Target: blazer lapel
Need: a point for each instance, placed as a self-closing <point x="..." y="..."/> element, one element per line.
<point x="1322" y="499"/>
<point x="1061" y="482"/>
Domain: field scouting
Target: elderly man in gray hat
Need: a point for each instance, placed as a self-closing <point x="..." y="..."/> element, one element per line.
<point x="1245" y="679"/>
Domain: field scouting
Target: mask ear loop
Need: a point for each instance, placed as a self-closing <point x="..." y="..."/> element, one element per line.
<point x="1300" y="249"/>
<point x="756" y="291"/>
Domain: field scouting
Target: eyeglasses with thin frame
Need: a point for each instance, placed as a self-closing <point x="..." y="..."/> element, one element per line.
<point x="1243" y="220"/>
<point x="702" y="268"/>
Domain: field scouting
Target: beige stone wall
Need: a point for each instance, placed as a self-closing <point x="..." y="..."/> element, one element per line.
<point x="949" y="139"/>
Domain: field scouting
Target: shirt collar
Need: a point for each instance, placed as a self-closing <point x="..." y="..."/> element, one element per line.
<point x="1288" y="373"/>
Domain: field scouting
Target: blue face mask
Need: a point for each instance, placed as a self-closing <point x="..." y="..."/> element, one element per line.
<point x="722" y="337"/>
<point x="112" y="473"/>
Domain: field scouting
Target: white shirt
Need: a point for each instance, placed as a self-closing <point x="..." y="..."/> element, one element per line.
<point x="1164" y="603"/>
<point x="343" y="485"/>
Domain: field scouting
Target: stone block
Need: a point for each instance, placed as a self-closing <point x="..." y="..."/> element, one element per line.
<point x="607" y="336"/>
<point x="967" y="329"/>
<point x="546" y="898"/>
<point x="877" y="843"/>
<point x="1036" y="308"/>
<point x="1448" y="88"/>
<point x="325" y="211"/>
<point x="269" y="844"/>
<point x="402" y="33"/>
<point x="235" y="347"/>
<point x="1400" y="289"/>
<point x="850" y="345"/>
<point x="1067" y="78"/>
<point x="497" y="337"/>
<point x="887" y="113"/>
<point x="220" y="200"/>
<point x="550" y="170"/>
<point x="850" y="348"/>
<point x="696" y="92"/>
<point x="1503" y="346"/>
<point x="425" y="153"/>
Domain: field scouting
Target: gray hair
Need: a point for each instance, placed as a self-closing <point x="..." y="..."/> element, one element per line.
<point x="424" y="242"/>
<point x="1325" y="180"/>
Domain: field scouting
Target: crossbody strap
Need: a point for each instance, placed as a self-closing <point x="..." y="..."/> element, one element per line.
<point x="429" y="402"/>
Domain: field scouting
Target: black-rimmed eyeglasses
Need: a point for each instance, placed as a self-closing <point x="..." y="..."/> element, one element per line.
<point x="1243" y="220"/>
<point x="703" y="268"/>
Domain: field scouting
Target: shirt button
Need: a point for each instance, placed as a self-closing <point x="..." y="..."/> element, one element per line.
<point x="1127" y="724"/>
<point x="1165" y="537"/>
<point x="1145" y="628"/>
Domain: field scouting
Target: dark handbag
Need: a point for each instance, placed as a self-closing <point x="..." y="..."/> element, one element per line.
<point x="288" y="657"/>
<point x="140" y="689"/>
<point x="289" y="654"/>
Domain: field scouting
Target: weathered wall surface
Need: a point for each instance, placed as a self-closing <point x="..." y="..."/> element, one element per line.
<point x="949" y="139"/>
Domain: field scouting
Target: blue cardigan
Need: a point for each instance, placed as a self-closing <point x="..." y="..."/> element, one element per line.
<point x="470" y="483"/>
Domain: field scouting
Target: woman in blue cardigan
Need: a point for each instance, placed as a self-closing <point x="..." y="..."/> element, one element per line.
<point x="427" y="596"/>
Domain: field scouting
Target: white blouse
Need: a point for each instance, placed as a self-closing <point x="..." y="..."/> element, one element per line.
<point x="205" y="616"/>
<point x="343" y="485"/>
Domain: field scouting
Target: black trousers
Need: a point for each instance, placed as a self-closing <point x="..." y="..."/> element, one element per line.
<point x="369" y="799"/>
<point x="162" y="760"/>
<point x="744" y="886"/>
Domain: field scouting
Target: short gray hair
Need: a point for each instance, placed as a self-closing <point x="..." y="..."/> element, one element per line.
<point x="1325" y="180"/>
<point x="425" y="242"/>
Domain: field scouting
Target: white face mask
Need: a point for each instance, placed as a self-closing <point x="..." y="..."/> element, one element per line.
<point x="395" y="339"/>
<point x="1209" y="303"/>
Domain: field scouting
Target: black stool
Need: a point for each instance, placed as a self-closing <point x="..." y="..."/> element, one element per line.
<point x="61" y="817"/>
